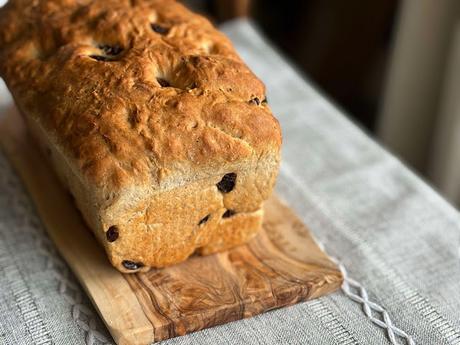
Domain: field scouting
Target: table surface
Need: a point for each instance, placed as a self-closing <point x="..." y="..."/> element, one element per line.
<point x="396" y="240"/>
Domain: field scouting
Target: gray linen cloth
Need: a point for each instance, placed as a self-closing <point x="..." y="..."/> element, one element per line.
<point x="393" y="236"/>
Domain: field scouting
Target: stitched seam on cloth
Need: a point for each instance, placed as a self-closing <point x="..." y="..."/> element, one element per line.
<point x="24" y="300"/>
<point x="440" y="324"/>
<point x="422" y="305"/>
<point x="331" y="322"/>
<point x="368" y="306"/>
<point x="81" y="314"/>
<point x="348" y="283"/>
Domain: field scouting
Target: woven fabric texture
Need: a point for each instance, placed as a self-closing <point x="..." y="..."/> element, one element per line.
<point x="395" y="239"/>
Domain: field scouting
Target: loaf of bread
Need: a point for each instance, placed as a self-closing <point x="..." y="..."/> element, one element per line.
<point x="151" y="120"/>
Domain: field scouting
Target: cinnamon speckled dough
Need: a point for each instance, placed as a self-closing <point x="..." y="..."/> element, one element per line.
<point x="143" y="108"/>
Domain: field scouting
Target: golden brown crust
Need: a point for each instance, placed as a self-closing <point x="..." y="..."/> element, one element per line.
<point x="113" y="116"/>
<point x="138" y="98"/>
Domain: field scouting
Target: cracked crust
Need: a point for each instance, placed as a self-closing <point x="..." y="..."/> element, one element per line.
<point x="144" y="107"/>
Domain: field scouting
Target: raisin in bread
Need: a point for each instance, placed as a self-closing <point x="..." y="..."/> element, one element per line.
<point x="150" y="119"/>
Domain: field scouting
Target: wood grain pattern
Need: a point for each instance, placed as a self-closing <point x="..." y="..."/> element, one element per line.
<point x="280" y="267"/>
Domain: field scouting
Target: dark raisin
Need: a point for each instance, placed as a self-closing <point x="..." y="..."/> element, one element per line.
<point x="99" y="57"/>
<point x="204" y="220"/>
<point x="163" y="82"/>
<point x="131" y="265"/>
<point x="228" y="214"/>
<point x="112" y="234"/>
<point x="265" y="101"/>
<point x="255" y="101"/>
<point x="159" y="29"/>
<point x="110" y="50"/>
<point x="227" y="183"/>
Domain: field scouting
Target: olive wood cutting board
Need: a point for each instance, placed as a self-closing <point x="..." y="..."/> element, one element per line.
<point x="281" y="266"/>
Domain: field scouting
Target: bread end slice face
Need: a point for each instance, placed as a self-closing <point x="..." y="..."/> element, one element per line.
<point x="142" y="228"/>
<point x="204" y="216"/>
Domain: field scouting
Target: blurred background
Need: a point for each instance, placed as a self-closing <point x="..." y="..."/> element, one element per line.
<point x="392" y="65"/>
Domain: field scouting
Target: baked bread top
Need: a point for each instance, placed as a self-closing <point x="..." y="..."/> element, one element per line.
<point x="134" y="91"/>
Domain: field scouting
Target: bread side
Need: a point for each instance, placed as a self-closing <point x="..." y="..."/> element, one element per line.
<point x="153" y="122"/>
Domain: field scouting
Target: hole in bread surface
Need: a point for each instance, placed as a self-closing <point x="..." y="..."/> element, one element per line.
<point x="100" y="58"/>
<point x="204" y="220"/>
<point x="192" y="86"/>
<point x="159" y="29"/>
<point x="109" y="52"/>
<point x="227" y="183"/>
<point x="163" y="82"/>
<point x="255" y="101"/>
<point x="228" y="214"/>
